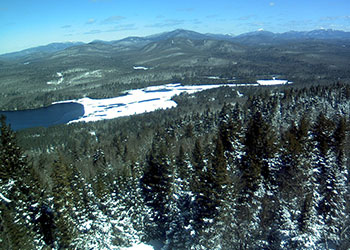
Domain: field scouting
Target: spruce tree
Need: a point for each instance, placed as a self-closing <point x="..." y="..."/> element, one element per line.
<point x="333" y="205"/>
<point x="12" y="159"/>
<point x="63" y="204"/>
<point x="219" y="172"/>
<point x="180" y="227"/>
<point x="219" y="233"/>
<point x="126" y="209"/>
<point x="258" y="183"/>
<point x="328" y="178"/>
<point x="259" y="147"/>
<point x="296" y="190"/>
<point x="94" y="229"/>
<point x="156" y="189"/>
<point x="226" y="127"/>
<point x="20" y="186"/>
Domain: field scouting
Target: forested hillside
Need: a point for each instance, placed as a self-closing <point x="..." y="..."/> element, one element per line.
<point x="105" y="69"/>
<point x="262" y="168"/>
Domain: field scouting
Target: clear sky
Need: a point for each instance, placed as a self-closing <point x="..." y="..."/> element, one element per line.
<point x="29" y="23"/>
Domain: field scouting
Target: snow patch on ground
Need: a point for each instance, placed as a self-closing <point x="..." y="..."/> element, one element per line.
<point x="58" y="81"/>
<point x="139" y="247"/>
<point x="93" y="133"/>
<point x="74" y="70"/>
<point x="214" y="77"/>
<point x="95" y="73"/>
<point x="140" y="68"/>
<point x="79" y="75"/>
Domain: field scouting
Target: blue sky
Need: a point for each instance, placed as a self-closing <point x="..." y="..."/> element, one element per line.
<point x="29" y="23"/>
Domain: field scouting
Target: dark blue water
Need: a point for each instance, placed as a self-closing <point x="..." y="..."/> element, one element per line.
<point x="149" y="100"/>
<point x="55" y="114"/>
<point x="158" y="90"/>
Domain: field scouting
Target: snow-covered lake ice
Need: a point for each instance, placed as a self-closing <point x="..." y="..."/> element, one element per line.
<point x="136" y="101"/>
<point x="144" y="100"/>
<point x="131" y="102"/>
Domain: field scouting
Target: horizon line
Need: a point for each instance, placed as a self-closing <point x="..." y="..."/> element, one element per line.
<point x="229" y="34"/>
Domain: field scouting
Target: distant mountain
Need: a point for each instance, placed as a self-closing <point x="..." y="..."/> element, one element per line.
<point x="175" y="45"/>
<point x="317" y="34"/>
<point x="135" y="42"/>
<point x="260" y="37"/>
<point x="179" y="33"/>
<point x="183" y="38"/>
<point x="266" y="37"/>
<point x="132" y="42"/>
<point x="220" y="36"/>
<point x="41" y="50"/>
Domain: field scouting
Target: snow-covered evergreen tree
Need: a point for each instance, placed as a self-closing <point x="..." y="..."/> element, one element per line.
<point x="63" y="204"/>
<point x="181" y="228"/>
<point x="295" y="187"/>
<point x="256" y="177"/>
<point x="156" y="185"/>
<point x="19" y="195"/>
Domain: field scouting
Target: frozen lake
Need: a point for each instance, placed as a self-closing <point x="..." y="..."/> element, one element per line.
<point x="136" y="101"/>
<point x="88" y="110"/>
<point x="132" y="102"/>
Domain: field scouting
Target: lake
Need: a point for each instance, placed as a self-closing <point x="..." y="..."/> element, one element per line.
<point x="132" y="102"/>
<point x="135" y="101"/>
<point x="44" y="117"/>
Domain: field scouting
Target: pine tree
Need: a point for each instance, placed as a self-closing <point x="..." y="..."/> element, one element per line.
<point x="333" y="204"/>
<point x="156" y="189"/>
<point x="222" y="195"/>
<point x="341" y="218"/>
<point x="94" y="229"/>
<point x="126" y="208"/>
<point x="230" y="133"/>
<point x="183" y="169"/>
<point x="259" y="147"/>
<point x="226" y="127"/>
<point x="219" y="172"/>
<point x="11" y="158"/>
<point x="296" y="190"/>
<point x="63" y="204"/>
<point x="20" y="185"/>
<point x="197" y="156"/>
<point x="324" y="205"/>
<point x="200" y="177"/>
<point x="256" y="194"/>
<point x="180" y="227"/>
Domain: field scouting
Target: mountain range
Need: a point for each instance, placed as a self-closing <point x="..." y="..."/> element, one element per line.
<point x="251" y="38"/>
<point x="99" y="69"/>
<point x="42" y="50"/>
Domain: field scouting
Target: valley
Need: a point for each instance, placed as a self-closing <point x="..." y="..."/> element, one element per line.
<point x="178" y="140"/>
<point x="104" y="69"/>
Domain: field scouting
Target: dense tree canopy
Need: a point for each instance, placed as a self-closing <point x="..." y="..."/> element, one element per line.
<point x="268" y="170"/>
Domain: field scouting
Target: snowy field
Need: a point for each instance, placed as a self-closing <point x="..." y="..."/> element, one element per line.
<point x="139" y="101"/>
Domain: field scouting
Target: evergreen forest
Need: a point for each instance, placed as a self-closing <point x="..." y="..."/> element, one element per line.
<point x="228" y="168"/>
